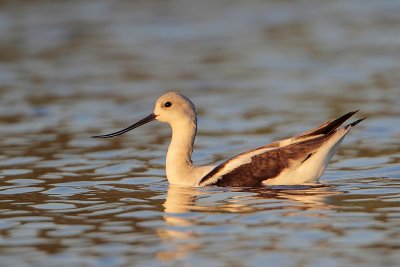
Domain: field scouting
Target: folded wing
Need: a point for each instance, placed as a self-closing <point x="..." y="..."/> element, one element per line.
<point x="280" y="159"/>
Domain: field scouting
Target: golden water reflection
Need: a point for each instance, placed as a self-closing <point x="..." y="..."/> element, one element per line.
<point x="180" y="235"/>
<point x="258" y="71"/>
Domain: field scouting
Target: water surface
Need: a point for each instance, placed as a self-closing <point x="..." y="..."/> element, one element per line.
<point x="257" y="71"/>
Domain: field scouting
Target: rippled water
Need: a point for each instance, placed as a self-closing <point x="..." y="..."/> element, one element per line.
<point x="257" y="71"/>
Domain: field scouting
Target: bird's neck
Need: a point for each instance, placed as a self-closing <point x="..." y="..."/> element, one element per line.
<point x="179" y="167"/>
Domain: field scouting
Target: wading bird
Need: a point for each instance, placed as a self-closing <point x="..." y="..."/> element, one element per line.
<point x="298" y="160"/>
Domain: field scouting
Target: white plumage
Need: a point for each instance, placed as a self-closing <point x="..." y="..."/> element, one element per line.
<point x="297" y="160"/>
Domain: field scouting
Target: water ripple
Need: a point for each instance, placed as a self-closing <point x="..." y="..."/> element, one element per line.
<point x="257" y="71"/>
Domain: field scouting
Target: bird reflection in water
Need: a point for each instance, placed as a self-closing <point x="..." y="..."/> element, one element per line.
<point x="186" y="210"/>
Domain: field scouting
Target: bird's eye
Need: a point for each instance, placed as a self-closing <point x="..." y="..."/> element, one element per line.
<point x="167" y="104"/>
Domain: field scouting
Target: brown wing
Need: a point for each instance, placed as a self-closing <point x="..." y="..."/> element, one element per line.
<point x="271" y="163"/>
<point x="323" y="129"/>
<point x="328" y="126"/>
<point x="266" y="165"/>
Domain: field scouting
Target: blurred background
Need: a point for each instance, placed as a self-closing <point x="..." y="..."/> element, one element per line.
<point x="256" y="70"/>
<point x="79" y="66"/>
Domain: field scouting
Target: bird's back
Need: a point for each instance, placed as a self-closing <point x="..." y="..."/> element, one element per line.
<point x="298" y="160"/>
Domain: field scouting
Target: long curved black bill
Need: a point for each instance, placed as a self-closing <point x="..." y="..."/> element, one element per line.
<point x="148" y="119"/>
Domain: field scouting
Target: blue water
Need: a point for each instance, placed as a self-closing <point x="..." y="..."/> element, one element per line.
<point x="257" y="71"/>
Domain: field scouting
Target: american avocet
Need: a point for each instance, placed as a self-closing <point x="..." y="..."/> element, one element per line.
<point x="298" y="160"/>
